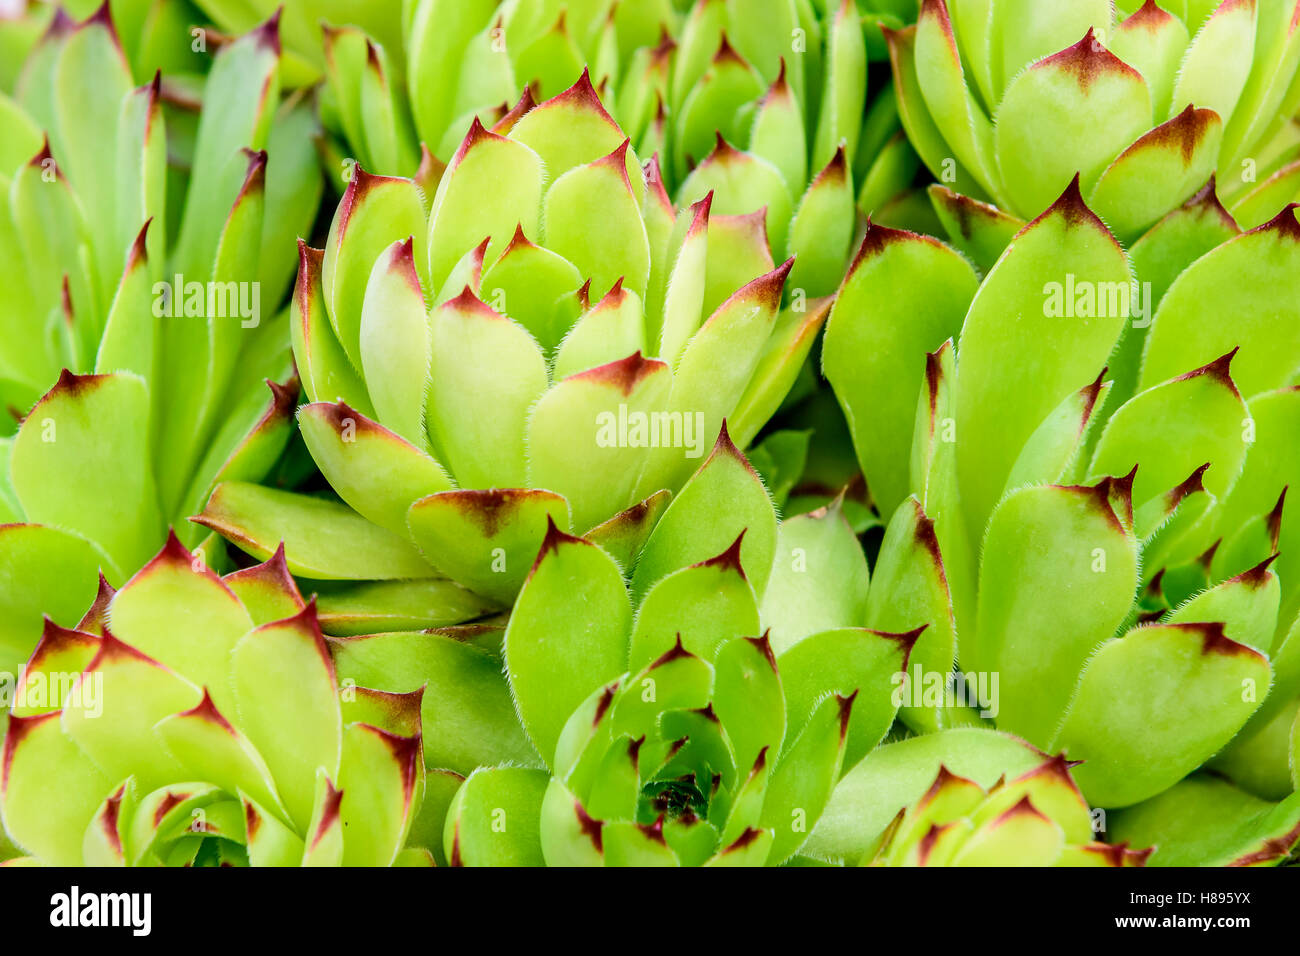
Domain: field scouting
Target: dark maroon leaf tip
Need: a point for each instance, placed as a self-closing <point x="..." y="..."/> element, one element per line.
<point x="602" y="705"/>
<point x="1088" y="61"/>
<point x="329" y="812"/>
<point x="1259" y="575"/>
<point x="1074" y="211"/>
<point x="676" y="652"/>
<point x="1214" y="639"/>
<point x="55" y="638"/>
<point x="268" y="34"/>
<point x="590" y="827"/>
<point x="1274" y="848"/>
<point x="1220" y="370"/>
<point x="1274" y="519"/>
<point x="1024" y="807"/>
<point x="745" y="839"/>
<point x="877" y="239"/>
<point x="522" y="107"/>
<point x="729" y="559"/>
<point x="138" y="254"/>
<point x="906" y="640"/>
<point x="44" y="154"/>
<point x="623" y="375"/>
<point x="1206" y="202"/>
<point x="727" y="53"/>
<point x="763" y="643"/>
<point x="206" y="711"/>
<point x="553" y="539"/>
<point x="845" y="705"/>
<point x="1192" y="484"/>
<point x="1182" y="134"/>
<point x="583" y="95"/>
<point x="1150" y="16"/>
<point x="1284" y="224"/>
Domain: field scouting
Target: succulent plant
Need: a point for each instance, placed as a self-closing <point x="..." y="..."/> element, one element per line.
<point x="695" y="708"/>
<point x="1006" y="805"/>
<point x="554" y="269"/>
<point x="890" y="810"/>
<point x="1143" y="100"/>
<point x="1207" y="821"/>
<point x="1102" y="548"/>
<point x="763" y="102"/>
<point x="21" y="25"/>
<point x="194" y="720"/>
<point x="145" y="284"/>
<point x="303" y="27"/>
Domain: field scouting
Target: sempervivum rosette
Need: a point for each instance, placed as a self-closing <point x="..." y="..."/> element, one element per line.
<point x="155" y="290"/>
<point x="1006" y="100"/>
<point x="194" y="720"/>
<point x="763" y="102"/>
<point x="698" y="712"/>
<point x="1106" y="547"/>
<point x="968" y="797"/>
<point x="548" y="340"/>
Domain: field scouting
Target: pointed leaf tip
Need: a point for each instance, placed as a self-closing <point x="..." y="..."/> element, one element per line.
<point x="623" y="374"/>
<point x="1259" y="574"/>
<point x="329" y="812"/>
<point x="552" y="540"/>
<point x="207" y="711"/>
<point x="268" y="33"/>
<point x="676" y="652"/>
<point x="138" y="255"/>
<point x="43" y="154"/>
<point x="845" y="705"/>
<point x="1087" y="61"/>
<point x="1071" y="207"/>
<point x="1284" y="224"/>
<point x="905" y="640"/>
<point x="1192" y="484"/>
<point x="591" y="828"/>
<point x="764" y="644"/>
<point x="1024" y="807"/>
<point x="1220" y="370"/>
<point x="728" y="559"/>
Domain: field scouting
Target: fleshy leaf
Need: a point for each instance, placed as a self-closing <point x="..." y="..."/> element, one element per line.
<point x="702" y="606"/>
<point x="587" y="436"/>
<point x="1043" y="544"/>
<point x="486" y="539"/>
<point x="87" y="440"/>
<point x="1128" y="720"/>
<point x="819" y="578"/>
<point x="1040" y="327"/>
<point x="724" y="498"/>
<point x="554" y="655"/>
<point x="321" y="538"/>
<point x="802" y="781"/>
<point x="376" y="471"/>
<point x="394" y="341"/>
<point x="903" y="297"/>
<point x="285" y="668"/>
<point x="1247" y="276"/>
<point x="478" y="352"/>
<point x="467" y="715"/>
<point x="1206" y="821"/>
<point x="494" y="819"/>
<point x="847" y="661"/>
<point x="1057" y="100"/>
